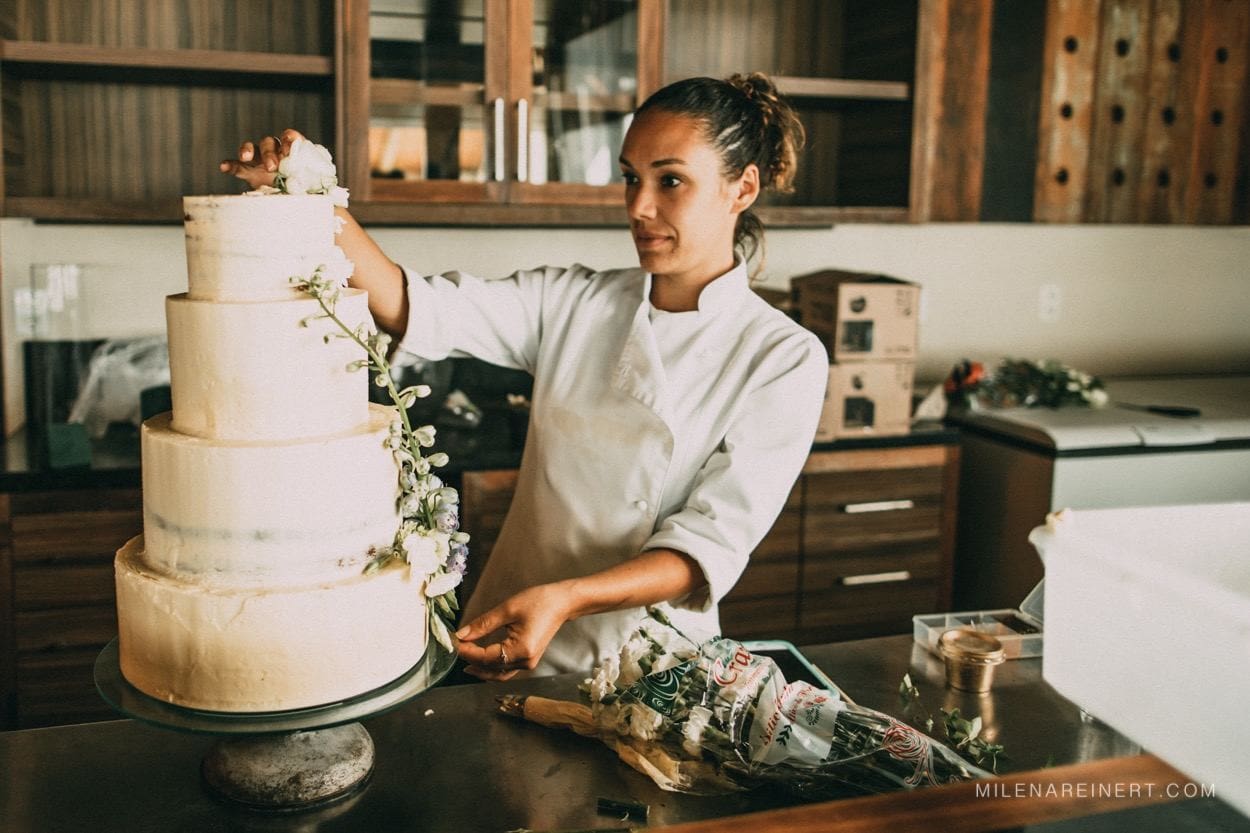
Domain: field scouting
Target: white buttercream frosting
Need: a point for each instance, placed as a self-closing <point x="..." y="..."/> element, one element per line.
<point x="271" y="512"/>
<point x="269" y="487"/>
<point x="244" y="247"/>
<point x="250" y="371"/>
<point x="265" y="647"/>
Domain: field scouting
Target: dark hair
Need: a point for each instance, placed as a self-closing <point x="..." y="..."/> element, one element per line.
<point x="747" y="121"/>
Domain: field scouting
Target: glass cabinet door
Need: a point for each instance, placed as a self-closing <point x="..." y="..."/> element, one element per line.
<point x="575" y="81"/>
<point x="435" y="105"/>
<point x="848" y="68"/>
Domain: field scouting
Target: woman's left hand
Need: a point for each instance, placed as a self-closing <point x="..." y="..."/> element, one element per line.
<point x="528" y="619"/>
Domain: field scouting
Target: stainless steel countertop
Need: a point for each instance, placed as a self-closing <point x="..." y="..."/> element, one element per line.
<point x="446" y="761"/>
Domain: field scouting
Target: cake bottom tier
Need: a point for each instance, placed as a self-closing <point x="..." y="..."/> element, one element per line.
<point x="265" y="648"/>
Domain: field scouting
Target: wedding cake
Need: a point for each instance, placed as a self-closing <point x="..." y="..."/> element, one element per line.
<point x="270" y="487"/>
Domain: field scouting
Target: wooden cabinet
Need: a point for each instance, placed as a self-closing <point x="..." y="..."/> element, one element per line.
<point x="113" y="111"/>
<point x="877" y="542"/>
<point x="512" y="111"/>
<point x="864" y="542"/>
<point x="501" y="110"/>
<point x="56" y="578"/>
<point x="849" y="69"/>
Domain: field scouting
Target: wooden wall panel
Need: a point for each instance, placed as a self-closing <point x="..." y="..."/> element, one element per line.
<point x="295" y="26"/>
<point x="1169" y="121"/>
<point x="1066" y="117"/>
<point x="1219" y="102"/>
<point x="952" y="91"/>
<point x="1120" y="108"/>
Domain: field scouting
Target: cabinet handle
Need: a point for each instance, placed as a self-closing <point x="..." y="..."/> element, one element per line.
<point x="522" y="140"/>
<point x="878" y="506"/>
<point x="876" y="578"/>
<point x="499" y="140"/>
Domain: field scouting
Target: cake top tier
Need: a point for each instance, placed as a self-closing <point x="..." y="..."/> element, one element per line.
<point x="247" y="247"/>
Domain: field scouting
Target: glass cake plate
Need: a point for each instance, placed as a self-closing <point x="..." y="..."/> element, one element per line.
<point x="125" y="698"/>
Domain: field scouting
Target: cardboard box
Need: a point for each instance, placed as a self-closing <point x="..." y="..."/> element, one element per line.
<point x="859" y="316"/>
<point x="867" y="399"/>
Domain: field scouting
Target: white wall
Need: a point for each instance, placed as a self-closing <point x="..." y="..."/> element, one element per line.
<point x="1134" y="299"/>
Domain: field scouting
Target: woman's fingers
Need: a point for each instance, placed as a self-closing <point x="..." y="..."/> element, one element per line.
<point x="258" y="161"/>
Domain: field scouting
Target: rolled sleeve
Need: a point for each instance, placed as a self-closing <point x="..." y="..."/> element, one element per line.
<point x="741" y="489"/>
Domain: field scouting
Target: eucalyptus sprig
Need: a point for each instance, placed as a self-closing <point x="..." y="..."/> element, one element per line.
<point x="964" y="733"/>
<point x="428" y="537"/>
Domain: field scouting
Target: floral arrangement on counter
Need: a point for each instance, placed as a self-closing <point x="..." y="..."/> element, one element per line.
<point x="1023" y="383"/>
<point x="429" y="537"/>
<point x="712" y="717"/>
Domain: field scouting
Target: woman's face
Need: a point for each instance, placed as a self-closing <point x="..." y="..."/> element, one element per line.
<point x="682" y="210"/>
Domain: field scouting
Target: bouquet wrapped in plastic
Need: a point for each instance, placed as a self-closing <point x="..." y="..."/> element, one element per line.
<point x="713" y="717"/>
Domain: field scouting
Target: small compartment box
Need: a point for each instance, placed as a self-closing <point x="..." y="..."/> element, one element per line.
<point x="859" y="316"/>
<point x="1020" y="631"/>
<point x="1148" y="611"/>
<point x="866" y="399"/>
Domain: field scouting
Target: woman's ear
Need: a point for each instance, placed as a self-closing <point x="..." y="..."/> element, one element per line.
<point x="746" y="189"/>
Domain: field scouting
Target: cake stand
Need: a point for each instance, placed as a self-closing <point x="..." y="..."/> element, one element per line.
<point x="279" y="761"/>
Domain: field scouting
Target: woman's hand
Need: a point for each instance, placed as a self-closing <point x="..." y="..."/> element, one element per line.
<point x="529" y="619"/>
<point x="258" y="167"/>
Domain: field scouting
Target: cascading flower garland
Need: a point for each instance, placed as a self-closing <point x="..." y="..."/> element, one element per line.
<point x="428" y="538"/>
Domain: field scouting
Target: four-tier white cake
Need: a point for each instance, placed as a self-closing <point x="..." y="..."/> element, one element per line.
<point x="268" y="487"/>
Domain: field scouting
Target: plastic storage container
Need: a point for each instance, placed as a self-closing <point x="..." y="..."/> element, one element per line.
<point x="1019" y="630"/>
<point x="1148" y="629"/>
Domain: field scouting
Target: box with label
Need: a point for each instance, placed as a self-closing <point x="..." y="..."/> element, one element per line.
<point x="859" y="316"/>
<point x="865" y="399"/>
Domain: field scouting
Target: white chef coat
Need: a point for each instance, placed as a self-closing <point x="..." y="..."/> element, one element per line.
<point x="624" y="454"/>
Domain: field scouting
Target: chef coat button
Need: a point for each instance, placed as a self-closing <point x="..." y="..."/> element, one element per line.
<point x="642" y="505"/>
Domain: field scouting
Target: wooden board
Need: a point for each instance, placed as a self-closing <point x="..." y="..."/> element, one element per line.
<point x="1066" y="116"/>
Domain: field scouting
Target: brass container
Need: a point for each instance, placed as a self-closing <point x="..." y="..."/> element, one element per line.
<point x="970" y="657"/>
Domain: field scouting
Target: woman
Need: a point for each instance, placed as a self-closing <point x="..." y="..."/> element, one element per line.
<point x="672" y="408"/>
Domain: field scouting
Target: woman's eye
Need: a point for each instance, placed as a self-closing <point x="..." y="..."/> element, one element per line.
<point x="628" y="178"/>
<point x="670" y="181"/>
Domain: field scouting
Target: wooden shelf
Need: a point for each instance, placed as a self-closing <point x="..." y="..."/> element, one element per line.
<point x="397" y="92"/>
<point x="796" y="87"/>
<point x="572" y="102"/>
<point x="199" y="60"/>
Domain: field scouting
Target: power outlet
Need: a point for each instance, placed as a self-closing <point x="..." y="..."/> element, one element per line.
<point x="1049" y="303"/>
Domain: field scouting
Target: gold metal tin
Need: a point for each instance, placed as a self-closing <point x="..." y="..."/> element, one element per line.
<point x="970" y="657"/>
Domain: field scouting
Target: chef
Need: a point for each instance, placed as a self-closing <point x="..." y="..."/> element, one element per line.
<point x="672" y="408"/>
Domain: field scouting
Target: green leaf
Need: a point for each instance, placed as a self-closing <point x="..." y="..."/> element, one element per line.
<point x="440" y="632"/>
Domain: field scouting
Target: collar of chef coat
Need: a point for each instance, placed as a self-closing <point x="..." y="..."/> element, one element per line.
<point x="640" y="372"/>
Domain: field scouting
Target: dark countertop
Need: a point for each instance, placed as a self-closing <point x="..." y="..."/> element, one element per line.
<point x="446" y="761"/>
<point x="496" y="443"/>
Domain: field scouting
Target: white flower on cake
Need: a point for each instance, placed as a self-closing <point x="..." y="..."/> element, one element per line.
<point x="307" y="168"/>
<point x="428" y="538"/>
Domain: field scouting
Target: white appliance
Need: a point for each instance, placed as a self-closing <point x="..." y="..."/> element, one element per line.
<point x="1018" y="464"/>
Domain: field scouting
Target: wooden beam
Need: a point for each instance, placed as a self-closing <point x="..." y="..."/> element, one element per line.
<point x="952" y="79"/>
<point x="1070" y="60"/>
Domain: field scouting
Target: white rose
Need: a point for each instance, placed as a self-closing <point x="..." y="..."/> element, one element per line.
<point x="604" y="681"/>
<point x="308" y="169"/>
<point x="644" y="722"/>
<point x="1098" y="397"/>
<point x="442" y="583"/>
<point x="422" y="553"/>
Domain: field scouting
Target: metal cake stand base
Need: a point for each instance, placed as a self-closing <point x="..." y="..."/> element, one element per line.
<point x="279" y="761"/>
